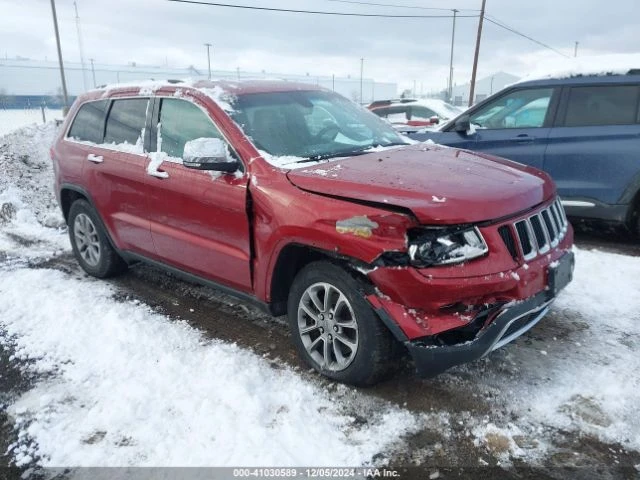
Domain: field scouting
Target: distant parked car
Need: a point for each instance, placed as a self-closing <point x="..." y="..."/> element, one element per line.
<point x="584" y="130"/>
<point x="410" y="115"/>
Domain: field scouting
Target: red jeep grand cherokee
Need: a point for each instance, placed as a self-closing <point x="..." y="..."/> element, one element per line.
<point x="298" y="200"/>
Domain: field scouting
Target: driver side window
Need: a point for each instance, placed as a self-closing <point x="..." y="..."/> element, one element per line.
<point x="519" y="109"/>
<point x="180" y="122"/>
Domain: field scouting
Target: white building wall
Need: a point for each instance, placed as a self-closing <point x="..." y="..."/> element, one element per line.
<point x="29" y="77"/>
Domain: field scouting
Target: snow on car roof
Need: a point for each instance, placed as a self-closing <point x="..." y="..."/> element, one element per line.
<point x="596" y="65"/>
<point x="220" y="91"/>
<point x="232" y="87"/>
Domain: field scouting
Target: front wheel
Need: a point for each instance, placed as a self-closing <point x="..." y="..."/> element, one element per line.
<point x="335" y="330"/>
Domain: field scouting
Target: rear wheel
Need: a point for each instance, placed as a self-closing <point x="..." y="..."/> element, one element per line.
<point x="334" y="328"/>
<point x="90" y="244"/>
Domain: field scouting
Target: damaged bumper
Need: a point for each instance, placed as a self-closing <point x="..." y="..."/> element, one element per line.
<point x="502" y="324"/>
<point x="432" y="360"/>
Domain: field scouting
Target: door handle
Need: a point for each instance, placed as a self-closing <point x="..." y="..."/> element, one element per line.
<point x="95" y="158"/>
<point x="523" y="138"/>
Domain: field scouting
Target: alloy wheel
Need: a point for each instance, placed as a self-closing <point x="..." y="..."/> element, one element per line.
<point x="87" y="239"/>
<point x="328" y="326"/>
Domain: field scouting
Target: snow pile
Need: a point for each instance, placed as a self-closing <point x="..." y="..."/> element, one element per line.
<point x="25" y="164"/>
<point x="556" y="67"/>
<point x="131" y="387"/>
<point x="27" y="201"/>
<point x="13" y="119"/>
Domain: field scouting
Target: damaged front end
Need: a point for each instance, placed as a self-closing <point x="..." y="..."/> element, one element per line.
<point x="458" y="293"/>
<point x="494" y="328"/>
<point x="433" y="246"/>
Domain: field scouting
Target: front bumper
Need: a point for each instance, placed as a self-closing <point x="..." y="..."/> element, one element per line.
<point x="509" y="322"/>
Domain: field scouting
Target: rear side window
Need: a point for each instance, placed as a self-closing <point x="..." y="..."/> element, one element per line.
<point x="89" y="122"/>
<point x="602" y="105"/>
<point x="180" y="122"/>
<point x="126" y="121"/>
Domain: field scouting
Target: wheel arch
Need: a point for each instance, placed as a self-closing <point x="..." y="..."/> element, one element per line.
<point x="292" y="258"/>
<point x="69" y="193"/>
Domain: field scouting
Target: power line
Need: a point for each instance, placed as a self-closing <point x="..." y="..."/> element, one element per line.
<point x="497" y="22"/>
<point x="403" y="6"/>
<point x="313" y="12"/>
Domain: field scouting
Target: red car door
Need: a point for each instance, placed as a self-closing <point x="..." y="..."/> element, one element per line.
<point x="116" y="172"/>
<point x="199" y="221"/>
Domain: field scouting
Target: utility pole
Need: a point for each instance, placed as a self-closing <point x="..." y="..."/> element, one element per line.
<point x="208" y="45"/>
<point x="64" y="82"/>
<point x="361" y="78"/>
<point x="453" y="37"/>
<point x="575" y="51"/>
<point x="84" y="73"/>
<point x="477" y="54"/>
<point x="333" y="82"/>
<point x="93" y="73"/>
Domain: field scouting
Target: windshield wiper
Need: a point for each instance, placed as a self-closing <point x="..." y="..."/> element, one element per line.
<point x="326" y="156"/>
<point x="349" y="153"/>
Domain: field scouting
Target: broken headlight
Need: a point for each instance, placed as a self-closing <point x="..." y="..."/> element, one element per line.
<point x="444" y="246"/>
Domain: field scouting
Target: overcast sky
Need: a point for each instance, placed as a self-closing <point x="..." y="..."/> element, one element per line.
<point x="155" y="32"/>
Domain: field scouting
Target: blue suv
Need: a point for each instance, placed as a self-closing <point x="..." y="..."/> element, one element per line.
<point x="584" y="131"/>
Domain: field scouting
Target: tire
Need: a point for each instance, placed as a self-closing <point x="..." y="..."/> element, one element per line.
<point x="349" y="319"/>
<point x="90" y="243"/>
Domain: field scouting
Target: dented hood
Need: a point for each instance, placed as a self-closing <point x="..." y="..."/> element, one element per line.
<point x="439" y="185"/>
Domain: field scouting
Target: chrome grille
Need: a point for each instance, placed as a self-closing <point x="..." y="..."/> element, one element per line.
<point x="540" y="232"/>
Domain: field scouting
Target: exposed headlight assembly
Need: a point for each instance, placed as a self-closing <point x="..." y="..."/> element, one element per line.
<point x="430" y="246"/>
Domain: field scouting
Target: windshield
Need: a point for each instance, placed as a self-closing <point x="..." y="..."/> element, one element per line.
<point x="310" y="124"/>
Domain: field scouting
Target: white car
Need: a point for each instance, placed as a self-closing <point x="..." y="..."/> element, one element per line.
<point x="410" y="115"/>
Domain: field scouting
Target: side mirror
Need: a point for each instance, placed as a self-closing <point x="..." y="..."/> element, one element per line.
<point x="208" y="154"/>
<point x="462" y="125"/>
<point x="435" y="120"/>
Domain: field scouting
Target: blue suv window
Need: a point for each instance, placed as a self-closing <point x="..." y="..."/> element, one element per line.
<point x="602" y="105"/>
<point x="525" y="108"/>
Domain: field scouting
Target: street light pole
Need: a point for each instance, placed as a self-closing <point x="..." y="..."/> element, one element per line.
<point x="93" y="73"/>
<point x="361" y="77"/>
<point x="477" y="54"/>
<point x="575" y="51"/>
<point x="64" y="82"/>
<point x="208" y="45"/>
<point x="453" y="37"/>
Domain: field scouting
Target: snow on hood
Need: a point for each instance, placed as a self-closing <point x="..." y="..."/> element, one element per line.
<point x="293" y="163"/>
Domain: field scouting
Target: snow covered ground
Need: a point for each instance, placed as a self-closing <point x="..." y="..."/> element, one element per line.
<point x="116" y="383"/>
<point x="11" y="120"/>
<point x="121" y="385"/>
